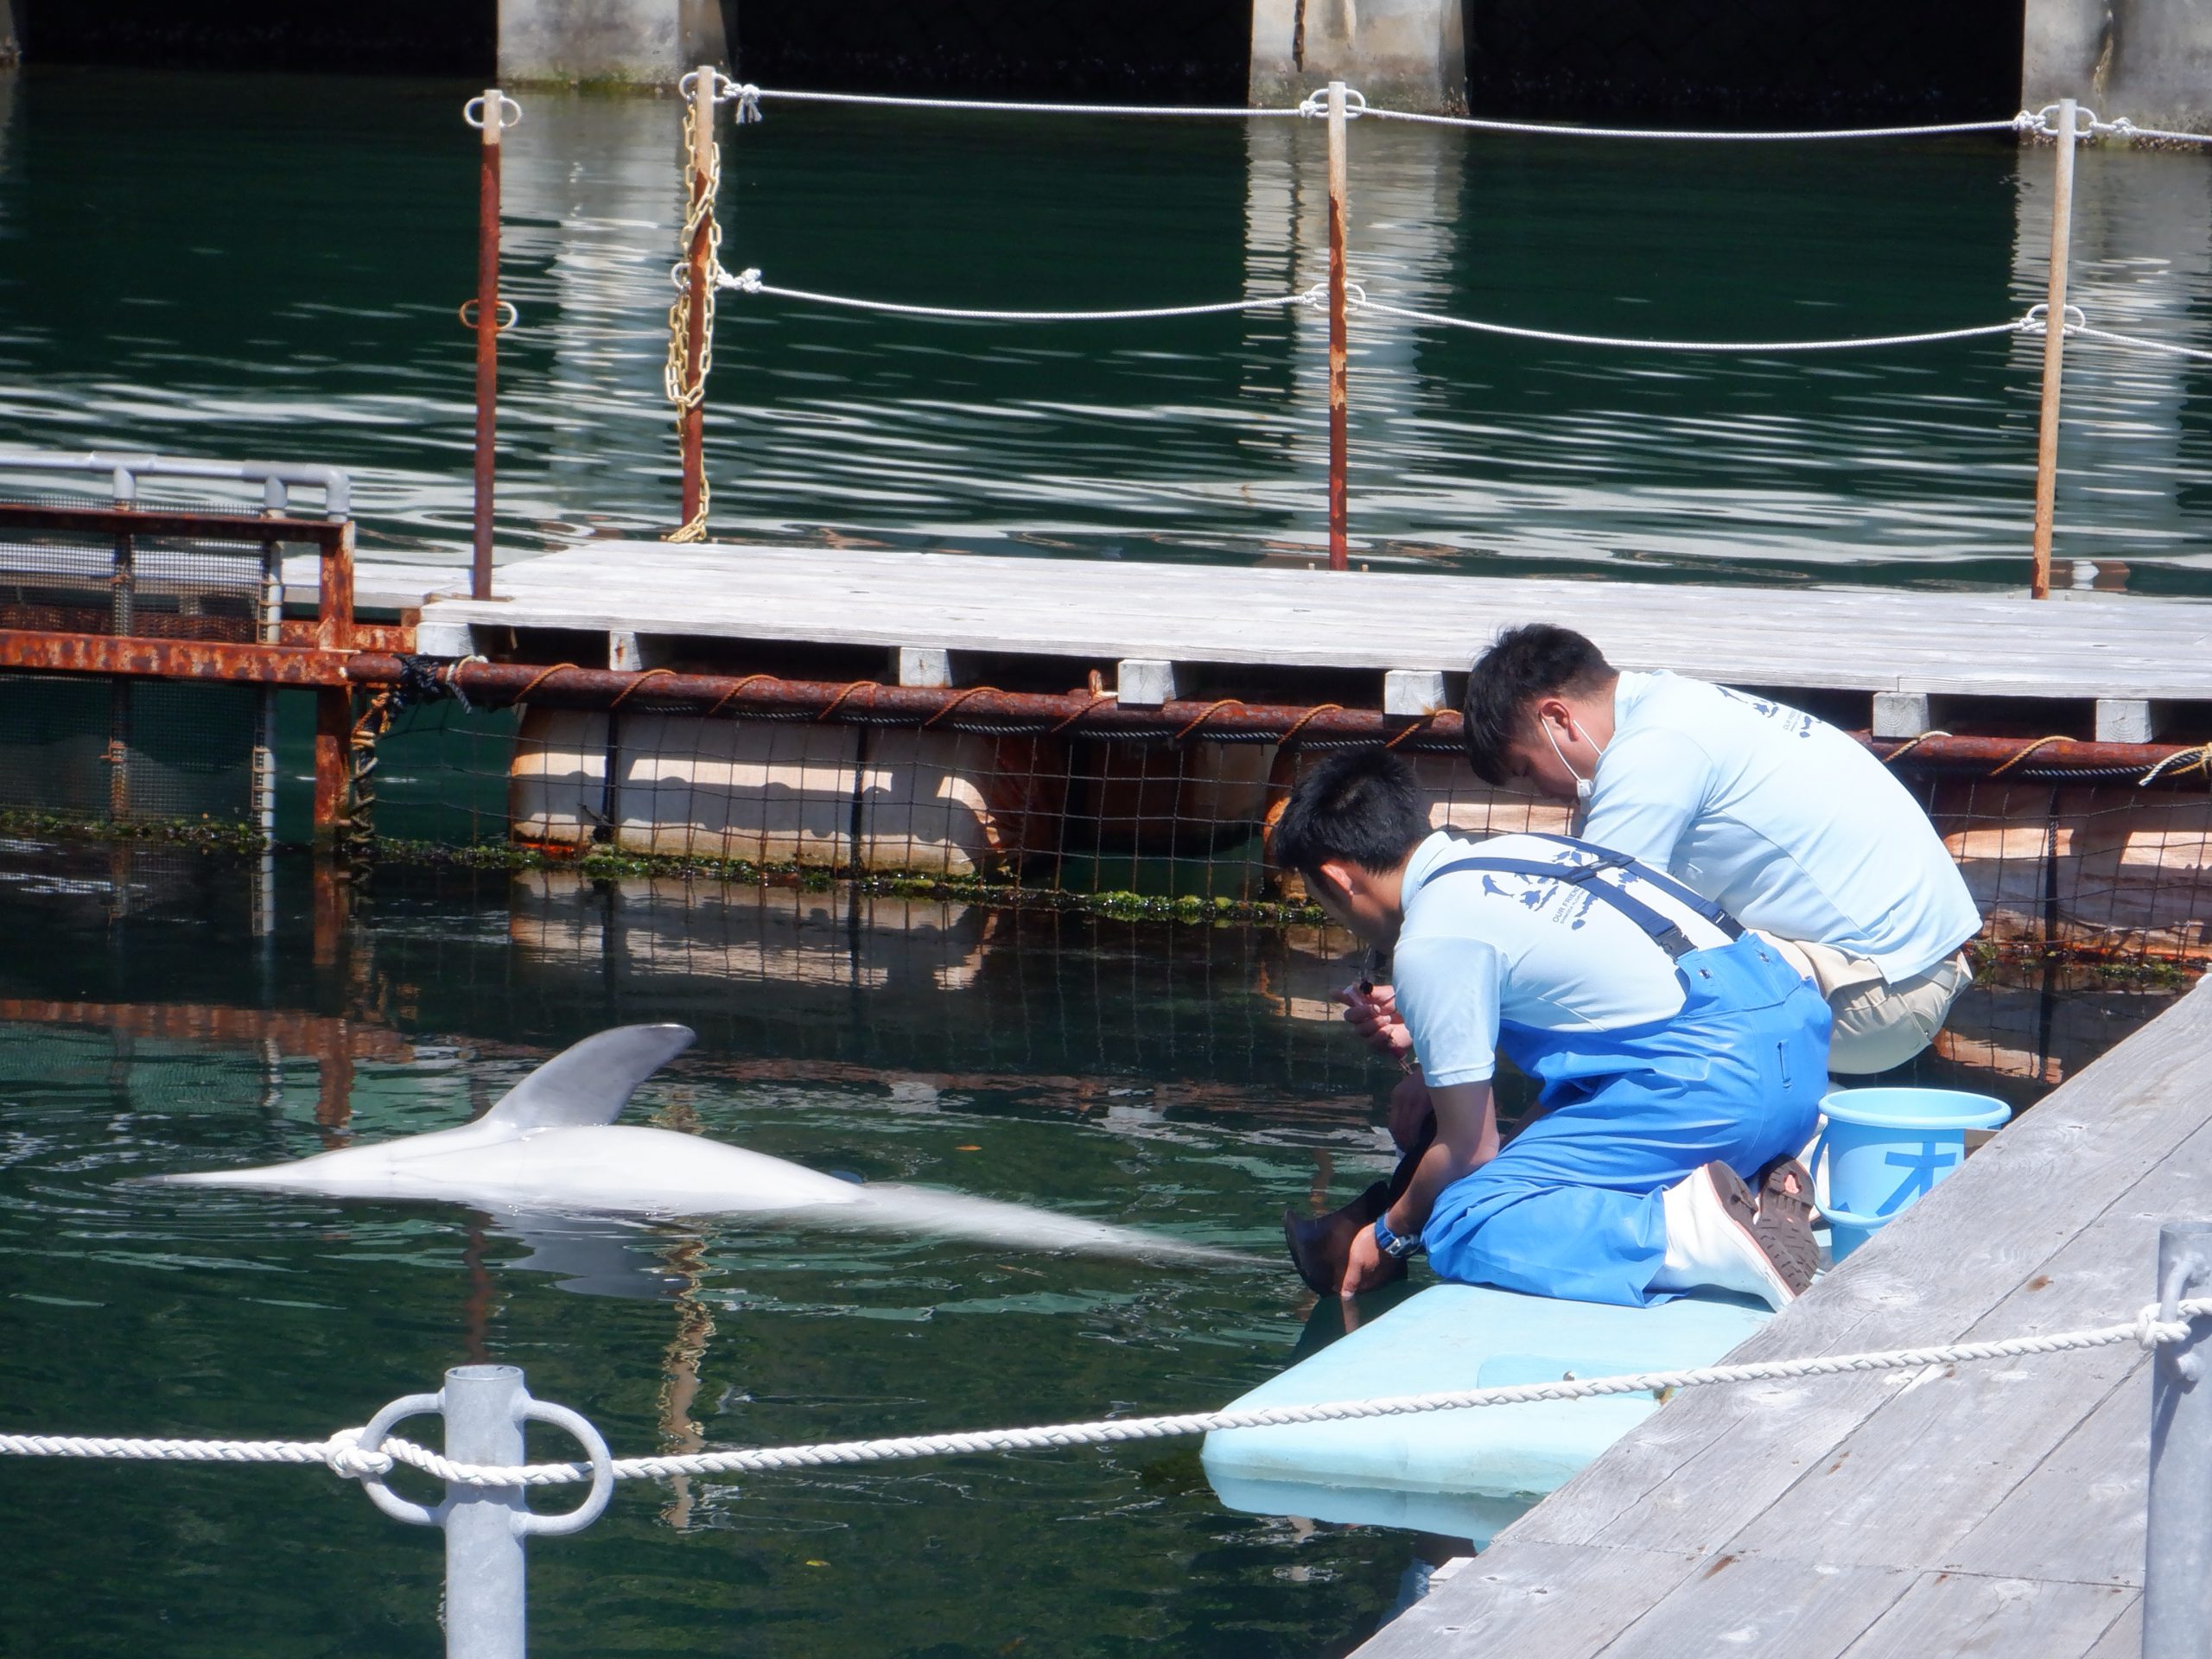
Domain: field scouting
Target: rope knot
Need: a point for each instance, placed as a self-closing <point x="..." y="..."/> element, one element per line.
<point x="342" y="1452"/>
<point x="748" y="98"/>
<point x="745" y="282"/>
<point x="2153" y="1332"/>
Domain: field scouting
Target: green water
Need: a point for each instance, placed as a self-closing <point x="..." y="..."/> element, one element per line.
<point x="1175" y="1077"/>
<point x="268" y="267"/>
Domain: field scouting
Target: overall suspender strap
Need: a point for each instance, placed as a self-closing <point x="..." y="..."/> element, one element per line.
<point x="1659" y="879"/>
<point x="1663" y="931"/>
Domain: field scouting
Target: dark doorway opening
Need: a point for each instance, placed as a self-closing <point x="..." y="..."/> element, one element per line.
<point x="1110" y="51"/>
<point x="1782" y="63"/>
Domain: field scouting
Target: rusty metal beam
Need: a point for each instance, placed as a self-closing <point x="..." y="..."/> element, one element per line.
<point x="205" y="527"/>
<point x="138" y="657"/>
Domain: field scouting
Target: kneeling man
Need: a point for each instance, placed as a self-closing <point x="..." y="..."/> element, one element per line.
<point x="1681" y="1059"/>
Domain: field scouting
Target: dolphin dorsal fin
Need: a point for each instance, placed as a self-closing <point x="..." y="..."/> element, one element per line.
<point x="589" y="1081"/>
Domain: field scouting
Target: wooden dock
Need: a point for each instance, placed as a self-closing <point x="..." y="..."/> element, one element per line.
<point x="1984" y="1509"/>
<point x="2122" y="668"/>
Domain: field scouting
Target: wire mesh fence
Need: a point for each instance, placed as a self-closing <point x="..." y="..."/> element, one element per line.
<point x="1156" y="821"/>
<point x="118" y="750"/>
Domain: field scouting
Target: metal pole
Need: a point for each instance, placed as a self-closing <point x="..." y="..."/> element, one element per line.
<point x="486" y="1611"/>
<point x="2053" y="349"/>
<point x="699" y="263"/>
<point x="487" y="335"/>
<point x="2177" y="1534"/>
<point x="1339" y="544"/>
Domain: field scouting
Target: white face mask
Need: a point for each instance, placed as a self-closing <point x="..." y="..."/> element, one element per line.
<point x="1582" y="786"/>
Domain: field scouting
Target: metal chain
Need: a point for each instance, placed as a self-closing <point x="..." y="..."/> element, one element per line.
<point x="2155" y="1325"/>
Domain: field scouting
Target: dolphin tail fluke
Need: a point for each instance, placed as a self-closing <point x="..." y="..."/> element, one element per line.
<point x="590" y="1082"/>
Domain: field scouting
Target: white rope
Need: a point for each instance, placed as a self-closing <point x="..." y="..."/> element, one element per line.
<point x="2151" y="1327"/>
<point x="2121" y="127"/>
<point x="748" y="281"/>
<point x="1359" y="302"/>
<point x="2021" y="123"/>
<point x="2135" y="341"/>
<point x="747" y="96"/>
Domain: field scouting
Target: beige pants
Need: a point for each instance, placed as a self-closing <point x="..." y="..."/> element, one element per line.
<point x="1877" y="1024"/>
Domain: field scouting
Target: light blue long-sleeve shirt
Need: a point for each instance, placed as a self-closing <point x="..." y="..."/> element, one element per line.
<point x="1790" y="824"/>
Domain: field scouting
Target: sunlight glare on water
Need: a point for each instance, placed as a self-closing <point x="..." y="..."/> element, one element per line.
<point x="269" y="268"/>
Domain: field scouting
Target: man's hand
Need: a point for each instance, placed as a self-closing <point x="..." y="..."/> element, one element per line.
<point x="1374" y="1014"/>
<point x="1365" y="1266"/>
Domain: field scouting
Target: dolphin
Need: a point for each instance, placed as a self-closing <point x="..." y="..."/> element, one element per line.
<point x="550" y="1145"/>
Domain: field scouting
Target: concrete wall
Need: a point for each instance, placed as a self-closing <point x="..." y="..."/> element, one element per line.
<point x="1410" y="54"/>
<point x="2150" y="61"/>
<point x="608" y="43"/>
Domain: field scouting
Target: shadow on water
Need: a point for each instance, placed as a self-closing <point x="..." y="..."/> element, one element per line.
<point x="1185" y="1078"/>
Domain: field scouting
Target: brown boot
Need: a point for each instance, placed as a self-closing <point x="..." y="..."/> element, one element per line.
<point x="1321" y="1245"/>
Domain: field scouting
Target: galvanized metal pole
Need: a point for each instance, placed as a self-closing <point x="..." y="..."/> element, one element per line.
<point x="487" y="335"/>
<point x="1339" y="540"/>
<point x="699" y="274"/>
<point x="486" y="1606"/>
<point x="2053" y="349"/>
<point x="484" y="1408"/>
<point x="2177" y="1534"/>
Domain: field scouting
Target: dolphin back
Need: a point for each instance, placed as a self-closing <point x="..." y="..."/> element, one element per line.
<point x="590" y="1082"/>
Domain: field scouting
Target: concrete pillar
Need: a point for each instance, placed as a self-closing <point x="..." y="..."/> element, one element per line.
<point x="1409" y="55"/>
<point x="2161" y="70"/>
<point x="612" y="43"/>
<point x="2139" y="253"/>
<point x="2062" y="43"/>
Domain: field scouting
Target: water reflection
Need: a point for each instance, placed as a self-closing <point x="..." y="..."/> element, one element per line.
<point x="284" y="279"/>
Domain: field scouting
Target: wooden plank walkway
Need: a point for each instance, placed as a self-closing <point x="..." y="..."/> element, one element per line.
<point x="649" y="597"/>
<point x="1985" y="1508"/>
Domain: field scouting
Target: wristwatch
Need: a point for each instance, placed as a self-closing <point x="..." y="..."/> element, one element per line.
<point x="1389" y="1244"/>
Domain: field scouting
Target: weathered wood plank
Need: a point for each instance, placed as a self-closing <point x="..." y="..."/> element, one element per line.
<point x="1946" y="1613"/>
<point x="1528" y="1599"/>
<point x="2049" y="1226"/>
<point x="1806" y="1610"/>
<point x="2080" y="1515"/>
<point x="1961" y="1443"/>
<point x="1930" y="1276"/>
<point x="1848" y="639"/>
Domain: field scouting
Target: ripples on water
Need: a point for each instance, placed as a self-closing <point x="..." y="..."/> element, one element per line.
<point x="268" y="267"/>
<point x="1185" y="1078"/>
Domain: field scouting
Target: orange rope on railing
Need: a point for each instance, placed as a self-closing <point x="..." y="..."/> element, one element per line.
<point x="838" y="702"/>
<point x="1204" y="715"/>
<point x="1298" y="725"/>
<point x="522" y="696"/>
<point x="1908" y="746"/>
<point x="735" y="690"/>
<point x="2041" y="742"/>
<point x="973" y="691"/>
<point x="623" y="695"/>
<point x="1102" y="696"/>
<point x="1420" y="725"/>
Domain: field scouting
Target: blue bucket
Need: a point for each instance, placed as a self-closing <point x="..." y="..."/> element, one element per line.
<point x="1884" y="1148"/>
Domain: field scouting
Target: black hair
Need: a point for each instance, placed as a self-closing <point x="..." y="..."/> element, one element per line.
<point x="1522" y="666"/>
<point x="1365" y="808"/>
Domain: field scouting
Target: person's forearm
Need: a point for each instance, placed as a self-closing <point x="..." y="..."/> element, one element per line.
<point x="1439" y="1168"/>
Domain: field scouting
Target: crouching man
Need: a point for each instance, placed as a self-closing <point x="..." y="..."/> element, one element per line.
<point x="1680" y="1059"/>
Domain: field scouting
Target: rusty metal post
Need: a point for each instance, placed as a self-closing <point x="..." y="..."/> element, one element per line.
<point x="699" y="275"/>
<point x="333" y="708"/>
<point x="2053" y="349"/>
<point x="494" y="105"/>
<point x="1339" y="544"/>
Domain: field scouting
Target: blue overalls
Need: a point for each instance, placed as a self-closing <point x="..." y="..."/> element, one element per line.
<point x="1571" y="1207"/>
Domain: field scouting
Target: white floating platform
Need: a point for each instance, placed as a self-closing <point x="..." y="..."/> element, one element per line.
<point x="649" y="598"/>
<point x="1464" y="1474"/>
